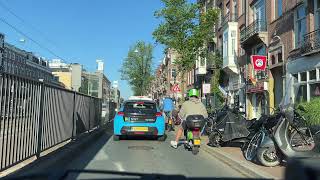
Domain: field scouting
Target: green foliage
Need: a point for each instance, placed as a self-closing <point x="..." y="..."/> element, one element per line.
<point x="215" y="59"/>
<point x="185" y="30"/>
<point x="311" y="111"/>
<point x="137" y="67"/>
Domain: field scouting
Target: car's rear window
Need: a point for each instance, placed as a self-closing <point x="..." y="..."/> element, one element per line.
<point x="140" y="107"/>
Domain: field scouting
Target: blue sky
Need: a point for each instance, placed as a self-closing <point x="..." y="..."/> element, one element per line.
<point x="84" y="30"/>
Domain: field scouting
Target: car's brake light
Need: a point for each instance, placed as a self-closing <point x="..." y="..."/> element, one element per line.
<point x="140" y="102"/>
<point x="158" y="114"/>
<point x="120" y="113"/>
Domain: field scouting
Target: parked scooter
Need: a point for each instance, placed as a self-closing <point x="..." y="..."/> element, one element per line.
<point x="192" y="133"/>
<point x="275" y="142"/>
<point x="277" y="146"/>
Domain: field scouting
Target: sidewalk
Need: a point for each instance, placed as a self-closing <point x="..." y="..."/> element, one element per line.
<point x="234" y="157"/>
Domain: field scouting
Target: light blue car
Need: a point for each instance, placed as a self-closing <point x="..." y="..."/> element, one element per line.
<point x="139" y="118"/>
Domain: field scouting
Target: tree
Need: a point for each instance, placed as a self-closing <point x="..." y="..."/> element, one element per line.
<point x="137" y="67"/>
<point x="186" y="30"/>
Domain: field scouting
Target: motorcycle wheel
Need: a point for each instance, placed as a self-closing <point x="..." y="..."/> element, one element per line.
<point x="195" y="150"/>
<point x="214" y="139"/>
<point x="268" y="159"/>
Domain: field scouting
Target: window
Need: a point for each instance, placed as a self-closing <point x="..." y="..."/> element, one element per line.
<point x="314" y="90"/>
<point x="300" y="25"/>
<point x="317" y="14"/>
<point x="273" y="60"/>
<point x="225" y="44"/>
<point x="280" y="57"/>
<point x="233" y="46"/>
<point x="260" y="50"/>
<point x="242" y="6"/>
<point x="235" y="9"/>
<point x="278" y="8"/>
<point x="312" y="75"/>
<point x="302" y="94"/>
<point x="303" y="76"/>
<point x="173" y="73"/>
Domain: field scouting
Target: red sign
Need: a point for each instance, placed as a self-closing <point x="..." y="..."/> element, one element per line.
<point x="259" y="62"/>
<point x="176" y="88"/>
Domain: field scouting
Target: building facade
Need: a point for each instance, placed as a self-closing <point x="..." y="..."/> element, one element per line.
<point x="69" y="75"/>
<point x="22" y="63"/>
<point x="303" y="61"/>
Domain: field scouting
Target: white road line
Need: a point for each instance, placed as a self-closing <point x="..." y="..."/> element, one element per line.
<point x="119" y="166"/>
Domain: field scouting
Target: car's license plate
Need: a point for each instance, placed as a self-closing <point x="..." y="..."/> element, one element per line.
<point x="197" y="142"/>
<point x="139" y="128"/>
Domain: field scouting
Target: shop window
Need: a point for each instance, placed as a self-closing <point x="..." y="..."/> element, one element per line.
<point x="312" y="75"/>
<point x="302" y="94"/>
<point x="314" y="90"/>
<point x="303" y="76"/>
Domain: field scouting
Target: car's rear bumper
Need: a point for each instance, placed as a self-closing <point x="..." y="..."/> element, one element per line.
<point x="154" y="129"/>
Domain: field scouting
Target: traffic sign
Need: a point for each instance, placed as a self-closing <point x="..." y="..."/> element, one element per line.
<point x="206" y="88"/>
<point x="176" y="88"/>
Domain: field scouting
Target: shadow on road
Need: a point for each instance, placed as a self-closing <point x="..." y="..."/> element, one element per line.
<point x="57" y="161"/>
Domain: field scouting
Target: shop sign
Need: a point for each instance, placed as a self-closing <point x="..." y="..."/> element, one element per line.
<point x="206" y="88"/>
<point x="259" y="62"/>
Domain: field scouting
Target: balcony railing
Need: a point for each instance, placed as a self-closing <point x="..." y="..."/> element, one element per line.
<point x="311" y="42"/>
<point x="254" y="28"/>
<point x="230" y="17"/>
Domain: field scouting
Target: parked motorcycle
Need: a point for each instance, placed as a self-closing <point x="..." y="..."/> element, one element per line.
<point x="192" y="133"/>
<point x="278" y="140"/>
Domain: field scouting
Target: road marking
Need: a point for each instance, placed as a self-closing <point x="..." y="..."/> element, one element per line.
<point x="119" y="166"/>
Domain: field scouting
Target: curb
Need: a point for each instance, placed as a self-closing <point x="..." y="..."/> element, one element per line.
<point x="63" y="154"/>
<point x="243" y="167"/>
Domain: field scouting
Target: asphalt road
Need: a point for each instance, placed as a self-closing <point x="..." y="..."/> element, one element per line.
<point x="146" y="156"/>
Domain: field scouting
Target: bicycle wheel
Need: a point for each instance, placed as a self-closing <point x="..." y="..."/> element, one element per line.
<point x="302" y="140"/>
<point x="253" y="146"/>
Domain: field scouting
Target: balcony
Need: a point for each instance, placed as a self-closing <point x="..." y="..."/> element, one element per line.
<point x="257" y="30"/>
<point x="311" y="43"/>
<point x="230" y="17"/>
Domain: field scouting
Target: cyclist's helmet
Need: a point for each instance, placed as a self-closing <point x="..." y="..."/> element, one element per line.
<point x="193" y="93"/>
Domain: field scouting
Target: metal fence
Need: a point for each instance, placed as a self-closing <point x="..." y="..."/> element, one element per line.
<point x="36" y="116"/>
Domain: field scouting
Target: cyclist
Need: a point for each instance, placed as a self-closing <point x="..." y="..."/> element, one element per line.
<point x="167" y="108"/>
<point x="191" y="107"/>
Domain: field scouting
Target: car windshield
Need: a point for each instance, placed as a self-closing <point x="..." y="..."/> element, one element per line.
<point x="122" y="85"/>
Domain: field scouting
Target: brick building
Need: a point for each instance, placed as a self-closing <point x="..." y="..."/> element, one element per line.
<point x="303" y="59"/>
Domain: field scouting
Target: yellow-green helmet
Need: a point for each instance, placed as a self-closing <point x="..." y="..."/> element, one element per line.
<point x="193" y="92"/>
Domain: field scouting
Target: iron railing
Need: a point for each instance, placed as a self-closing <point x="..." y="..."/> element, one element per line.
<point x="311" y="42"/>
<point x="36" y="116"/>
<point x="255" y="27"/>
<point x="230" y="17"/>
